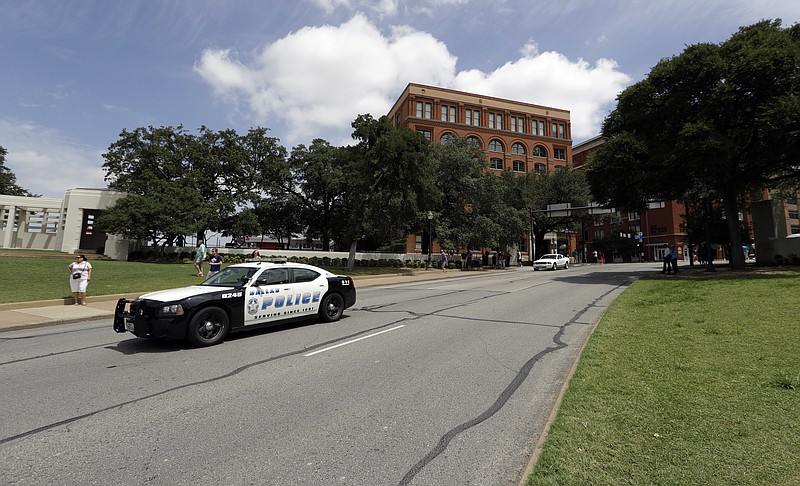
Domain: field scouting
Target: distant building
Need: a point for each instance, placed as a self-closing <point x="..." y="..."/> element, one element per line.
<point x="663" y="224"/>
<point x="60" y="224"/>
<point x="519" y="137"/>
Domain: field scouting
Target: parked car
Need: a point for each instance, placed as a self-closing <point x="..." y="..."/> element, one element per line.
<point x="551" y="261"/>
<point x="243" y="296"/>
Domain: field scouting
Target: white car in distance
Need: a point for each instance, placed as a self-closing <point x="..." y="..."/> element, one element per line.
<point x="551" y="261"/>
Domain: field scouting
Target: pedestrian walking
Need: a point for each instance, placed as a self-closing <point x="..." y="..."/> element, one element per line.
<point x="674" y="259"/>
<point x="199" y="256"/>
<point x="444" y="261"/>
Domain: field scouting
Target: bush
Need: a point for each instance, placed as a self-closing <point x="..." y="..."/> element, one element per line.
<point x="794" y="259"/>
<point x="778" y="259"/>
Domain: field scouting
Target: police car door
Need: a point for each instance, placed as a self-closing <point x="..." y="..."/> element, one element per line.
<point x="309" y="287"/>
<point x="267" y="298"/>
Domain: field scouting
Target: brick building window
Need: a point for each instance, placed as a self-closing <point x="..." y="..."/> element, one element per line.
<point x="518" y="166"/>
<point x="424" y="110"/>
<point x="448" y="113"/>
<point x="495" y="163"/>
<point x="540" y="168"/>
<point x="426" y="134"/>
<point x="472" y="117"/>
<point x="559" y="154"/>
<point x="496" y="146"/>
<point x="539" y="151"/>
<point x="517" y="148"/>
<point x="474" y="141"/>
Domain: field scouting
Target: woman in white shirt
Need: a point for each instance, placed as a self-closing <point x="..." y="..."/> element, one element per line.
<point x="80" y="272"/>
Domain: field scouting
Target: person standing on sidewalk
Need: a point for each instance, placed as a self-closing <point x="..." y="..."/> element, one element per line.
<point x="444" y="261"/>
<point x="80" y="272"/>
<point x="673" y="254"/>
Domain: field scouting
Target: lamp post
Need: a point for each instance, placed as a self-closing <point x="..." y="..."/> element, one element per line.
<point x="430" y="237"/>
<point x="707" y="209"/>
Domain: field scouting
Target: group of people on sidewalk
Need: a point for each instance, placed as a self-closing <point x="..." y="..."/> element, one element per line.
<point x="215" y="260"/>
<point x="670" y="265"/>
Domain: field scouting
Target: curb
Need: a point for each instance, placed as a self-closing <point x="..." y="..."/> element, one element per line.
<point x="64" y="301"/>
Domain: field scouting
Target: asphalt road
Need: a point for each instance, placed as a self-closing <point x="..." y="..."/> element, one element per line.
<point x="447" y="382"/>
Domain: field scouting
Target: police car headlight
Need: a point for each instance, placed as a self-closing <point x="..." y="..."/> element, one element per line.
<point x="172" y="310"/>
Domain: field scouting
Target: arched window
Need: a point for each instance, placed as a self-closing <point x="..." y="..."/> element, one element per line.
<point x="447" y="138"/>
<point x="517" y="148"/>
<point x="495" y="163"/>
<point x="539" y="151"/>
<point x="496" y="146"/>
<point x="540" y="168"/>
<point x="474" y="141"/>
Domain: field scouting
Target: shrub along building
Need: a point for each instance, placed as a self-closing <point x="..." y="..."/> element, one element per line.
<point x="519" y="137"/>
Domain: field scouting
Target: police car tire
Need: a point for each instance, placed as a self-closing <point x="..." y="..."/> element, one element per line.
<point x="566" y="265"/>
<point x="208" y="327"/>
<point x="331" y="308"/>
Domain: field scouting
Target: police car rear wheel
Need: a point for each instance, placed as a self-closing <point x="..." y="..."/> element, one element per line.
<point x="208" y="327"/>
<point x="332" y="308"/>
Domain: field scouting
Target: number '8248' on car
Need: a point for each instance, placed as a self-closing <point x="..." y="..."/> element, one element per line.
<point x="243" y="296"/>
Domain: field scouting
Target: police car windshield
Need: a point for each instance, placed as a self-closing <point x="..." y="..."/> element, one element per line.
<point x="231" y="277"/>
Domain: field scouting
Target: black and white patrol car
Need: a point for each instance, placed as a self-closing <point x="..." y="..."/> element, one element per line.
<point x="243" y="296"/>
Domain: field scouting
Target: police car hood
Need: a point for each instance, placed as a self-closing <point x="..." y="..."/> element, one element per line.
<point x="173" y="295"/>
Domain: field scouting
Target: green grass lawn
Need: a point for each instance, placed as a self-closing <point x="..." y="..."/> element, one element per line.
<point x="27" y="279"/>
<point x="686" y="380"/>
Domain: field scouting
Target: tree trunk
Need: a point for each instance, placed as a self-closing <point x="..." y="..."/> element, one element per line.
<point x="351" y="258"/>
<point x="732" y="217"/>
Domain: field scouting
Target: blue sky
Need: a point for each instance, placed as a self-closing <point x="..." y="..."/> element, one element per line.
<point x="75" y="74"/>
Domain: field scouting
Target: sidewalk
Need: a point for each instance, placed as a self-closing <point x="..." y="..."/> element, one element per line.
<point x="26" y="315"/>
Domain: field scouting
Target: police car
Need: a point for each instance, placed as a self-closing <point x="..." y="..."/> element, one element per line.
<point x="243" y="296"/>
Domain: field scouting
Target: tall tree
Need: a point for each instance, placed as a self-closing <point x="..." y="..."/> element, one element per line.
<point x="8" y="181"/>
<point x="215" y="174"/>
<point x="558" y="187"/>
<point x="390" y="183"/>
<point x="458" y="166"/>
<point x="717" y="120"/>
<point x="318" y="179"/>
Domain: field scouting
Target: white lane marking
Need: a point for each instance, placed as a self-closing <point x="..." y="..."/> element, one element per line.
<point x="352" y="341"/>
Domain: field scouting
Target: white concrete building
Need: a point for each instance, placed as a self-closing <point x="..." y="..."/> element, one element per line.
<point x="60" y="224"/>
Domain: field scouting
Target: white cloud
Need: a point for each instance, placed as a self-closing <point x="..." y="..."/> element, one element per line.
<point x="550" y="79"/>
<point x="319" y="79"/>
<point x="57" y="163"/>
<point x="315" y="81"/>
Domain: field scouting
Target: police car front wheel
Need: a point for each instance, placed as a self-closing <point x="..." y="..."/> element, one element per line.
<point x="209" y="326"/>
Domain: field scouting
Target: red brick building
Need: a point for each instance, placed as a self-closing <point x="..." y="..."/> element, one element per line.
<point x="661" y="225"/>
<point x="520" y="137"/>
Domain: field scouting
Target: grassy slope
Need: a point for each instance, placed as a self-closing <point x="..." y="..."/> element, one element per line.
<point x="681" y="384"/>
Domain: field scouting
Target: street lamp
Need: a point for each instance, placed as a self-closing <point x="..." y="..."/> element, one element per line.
<point x="430" y="237"/>
<point x="707" y="209"/>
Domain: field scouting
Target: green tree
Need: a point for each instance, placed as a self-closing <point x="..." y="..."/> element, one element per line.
<point x="719" y="119"/>
<point x="557" y="187"/>
<point x="8" y="181"/>
<point x="459" y="168"/>
<point x="210" y="177"/>
<point x="390" y="183"/>
<point x="318" y="180"/>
